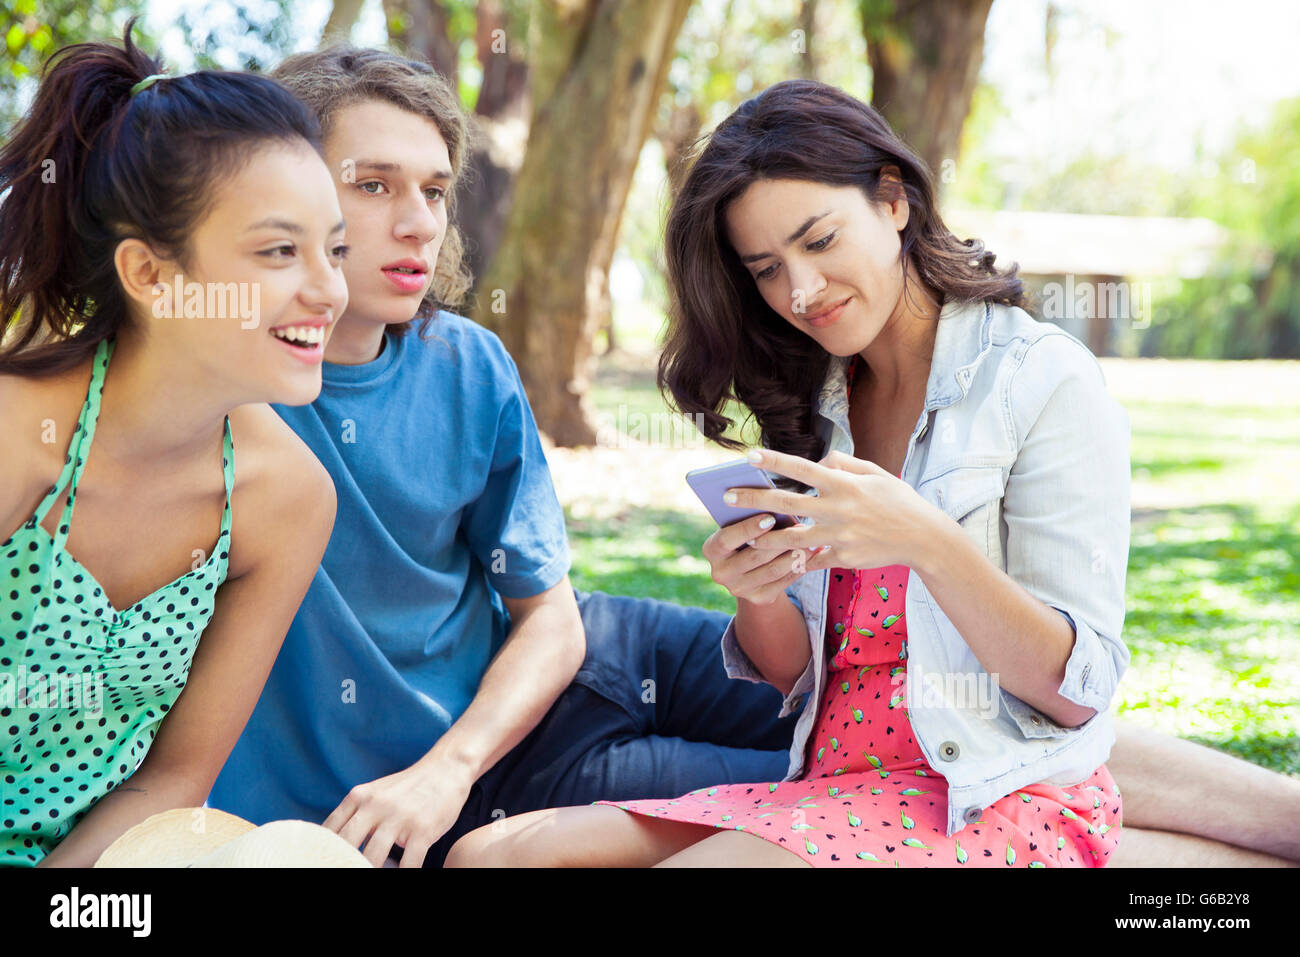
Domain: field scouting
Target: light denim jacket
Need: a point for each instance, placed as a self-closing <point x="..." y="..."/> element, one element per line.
<point x="1019" y="442"/>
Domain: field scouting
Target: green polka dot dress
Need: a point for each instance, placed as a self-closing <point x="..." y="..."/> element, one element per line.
<point x="84" y="686"/>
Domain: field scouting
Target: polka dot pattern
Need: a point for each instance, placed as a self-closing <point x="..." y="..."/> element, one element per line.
<point x="90" y="684"/>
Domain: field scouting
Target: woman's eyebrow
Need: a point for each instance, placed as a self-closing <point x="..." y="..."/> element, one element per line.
<point x="385" y="166"/>
<point x="807" y="225"/>
<point x="289" y="227"/>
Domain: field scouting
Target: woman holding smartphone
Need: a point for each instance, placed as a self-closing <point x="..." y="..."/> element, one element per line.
<point x="958" y="627"/>
<point x="171" y="250"/>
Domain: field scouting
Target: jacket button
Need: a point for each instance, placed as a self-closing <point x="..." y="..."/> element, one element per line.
<point x="972" y="815"/>
<point x="948" y="751"/>
<point x="1036" y="719"/>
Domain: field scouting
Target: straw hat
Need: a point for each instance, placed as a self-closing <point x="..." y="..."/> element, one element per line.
<point x="206" y="837"/>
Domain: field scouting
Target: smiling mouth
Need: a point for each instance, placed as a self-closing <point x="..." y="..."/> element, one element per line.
<point x="823" y="316"/>
<point x="306" y="337"/>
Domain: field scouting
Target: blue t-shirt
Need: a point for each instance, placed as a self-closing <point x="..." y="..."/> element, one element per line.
<point x="445" y="503"/>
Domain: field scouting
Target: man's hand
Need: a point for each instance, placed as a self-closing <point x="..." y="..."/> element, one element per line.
<point x="411" y="809"/>
<point x="415" y="807"/>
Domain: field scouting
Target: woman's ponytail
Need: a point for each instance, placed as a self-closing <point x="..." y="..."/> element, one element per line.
<point x="47" y="286"/>
<point x="92" y="164"/>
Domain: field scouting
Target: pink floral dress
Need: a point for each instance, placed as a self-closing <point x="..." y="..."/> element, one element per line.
<point x="867" y="796"/>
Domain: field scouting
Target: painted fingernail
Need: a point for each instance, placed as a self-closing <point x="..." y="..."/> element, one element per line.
<point x="754" y="455"/>
<point x="729" y="498"/>
<point x="767" y="521"/>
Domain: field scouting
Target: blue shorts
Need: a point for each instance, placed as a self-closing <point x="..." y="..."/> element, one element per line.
<point x="651" y="713"/>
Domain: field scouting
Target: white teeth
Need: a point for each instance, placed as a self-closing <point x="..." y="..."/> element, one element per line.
<point x="301" y="335"/>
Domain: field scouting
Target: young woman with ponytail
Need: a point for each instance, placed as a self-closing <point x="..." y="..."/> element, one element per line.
<point x="162" y="239"/>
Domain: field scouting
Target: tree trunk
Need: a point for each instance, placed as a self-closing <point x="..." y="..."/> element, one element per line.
<point x="501" y="115"/>
<point x="597" y="69"/>
<point x="1100" y="319"/>
<point x="676" y="137"/>
<point x="343" y="17"/>
<point x="423" y="34"/>
<point x="807" y="24"/>
<point x="505" y="70"/>
<point x="925" y="61"/>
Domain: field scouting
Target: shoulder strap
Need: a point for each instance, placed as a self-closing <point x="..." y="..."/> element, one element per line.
<point x="78" y="446"/>
<point x="228" y="467"/>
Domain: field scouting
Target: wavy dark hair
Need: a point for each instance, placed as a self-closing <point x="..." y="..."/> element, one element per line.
<point x="723" y="340"/>
<point x="143" y="166"/>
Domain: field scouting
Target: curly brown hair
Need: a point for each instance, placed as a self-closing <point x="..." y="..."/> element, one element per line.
<point x="340" y="75"/>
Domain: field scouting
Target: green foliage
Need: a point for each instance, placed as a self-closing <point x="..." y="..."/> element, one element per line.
<point x="238" y="36"/>
<point x="728" y="51"/>
<point x="32" y="31"/>
<point x="1250" y="305"/>
<point x="976" y="184"/>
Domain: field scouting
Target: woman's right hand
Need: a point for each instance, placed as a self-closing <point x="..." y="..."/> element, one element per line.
<point x="755" y="574"/>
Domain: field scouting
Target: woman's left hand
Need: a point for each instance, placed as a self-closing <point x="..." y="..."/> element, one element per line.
<point x="868" y="517"/>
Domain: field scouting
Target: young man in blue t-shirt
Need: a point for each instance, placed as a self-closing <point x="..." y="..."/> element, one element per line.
<point x="441" y="671"/>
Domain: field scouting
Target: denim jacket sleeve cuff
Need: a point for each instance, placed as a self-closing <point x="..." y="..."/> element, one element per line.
<point x="1032" y="722"/>
<point x="1090" y="678"/>
<point x="795" y="699"/>
<point x="734" y="658"/>
<point x="1087" y="659"/>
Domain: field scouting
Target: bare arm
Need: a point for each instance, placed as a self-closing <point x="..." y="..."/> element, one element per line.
<point x="544" y="651"/>
<point x="414" y="807"/>
<point x="768" y="628"/>
<point x="775" y="638"/>
<point x="283" y="529"/>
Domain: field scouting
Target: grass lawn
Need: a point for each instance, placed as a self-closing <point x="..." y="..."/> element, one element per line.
<point x="1213" y="587"/>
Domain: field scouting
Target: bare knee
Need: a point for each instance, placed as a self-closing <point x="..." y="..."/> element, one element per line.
<point x="522" y="840"/>
<point x="734" y="849"/>
<point x="475" y="849"/>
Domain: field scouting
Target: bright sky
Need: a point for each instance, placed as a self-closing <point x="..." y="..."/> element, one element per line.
<point x="1171" y="73"/>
